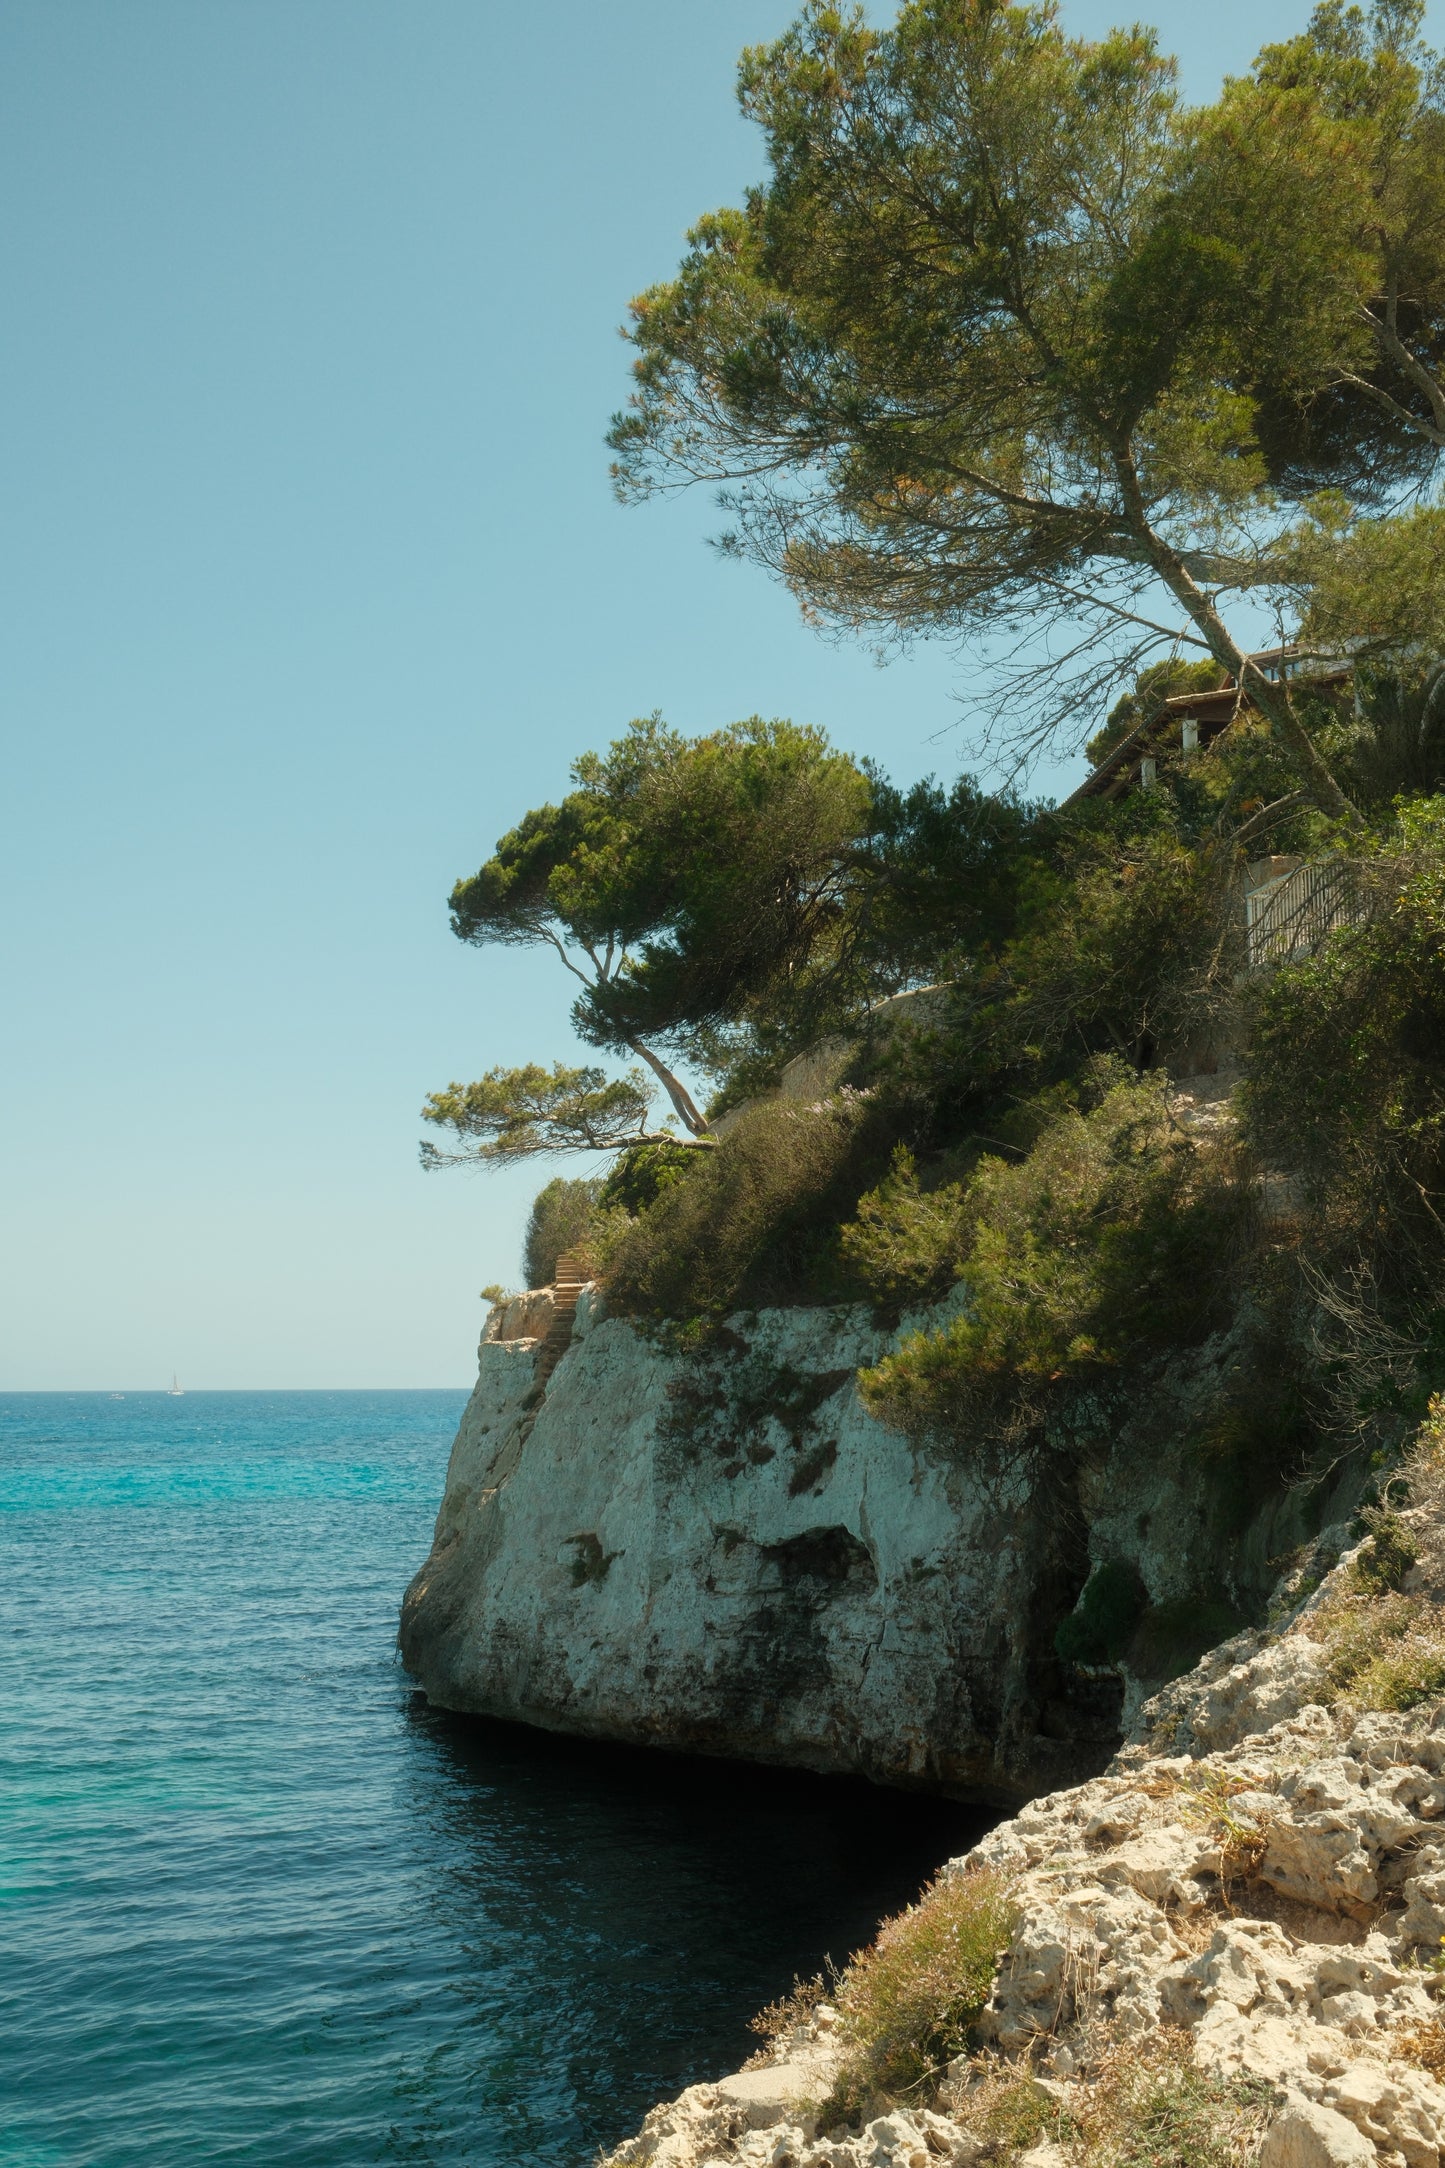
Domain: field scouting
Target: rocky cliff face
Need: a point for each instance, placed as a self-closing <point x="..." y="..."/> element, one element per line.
<point x="1272" y="1909"/>
<point x="1225" y="1950"/>
<point x="725" y="1553"/>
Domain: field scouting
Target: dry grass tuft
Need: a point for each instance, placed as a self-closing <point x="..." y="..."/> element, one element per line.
<point x="1009" y="2111"/>
<point x="1382" y="1652"/>
<point x="907" y="2004"/>
<point x="790" y="2014"/>
<point x="1144" y="2105"/>
<point x="1384" y="1643"/>
<point x="1209" y="1799"/>
<point x="1424" y="2046"/>
<point x="1149" y="2107"/>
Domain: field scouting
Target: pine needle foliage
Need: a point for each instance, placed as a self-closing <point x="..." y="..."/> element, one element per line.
<point x="1114" y="1235"/>
<point x="754" y="1221"/>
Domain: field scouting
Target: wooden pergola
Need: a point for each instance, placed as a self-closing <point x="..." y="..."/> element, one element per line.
<point x="1192" y="721"/>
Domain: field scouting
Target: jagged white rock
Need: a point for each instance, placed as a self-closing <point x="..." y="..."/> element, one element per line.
<point x="728" y="1554"/>
<point x="1304" y="2135"/>
<point x="794" y="1583"/>
<point x="1277" y="1900"/>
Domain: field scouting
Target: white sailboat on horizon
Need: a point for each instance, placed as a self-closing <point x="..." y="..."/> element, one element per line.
<point x="175" y="1390"/>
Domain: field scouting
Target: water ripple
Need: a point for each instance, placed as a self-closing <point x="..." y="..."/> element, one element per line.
<point x="259" y="1904"/>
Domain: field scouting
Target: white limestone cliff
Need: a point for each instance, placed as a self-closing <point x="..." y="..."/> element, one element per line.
<point x="774" y="1576"/>
<point x="725" y="1553"/>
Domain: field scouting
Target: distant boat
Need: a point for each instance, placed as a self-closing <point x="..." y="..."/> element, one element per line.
<point x="175" y="1390"/>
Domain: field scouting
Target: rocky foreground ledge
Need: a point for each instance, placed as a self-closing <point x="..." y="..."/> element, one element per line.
<point x="1225" y="1949"/>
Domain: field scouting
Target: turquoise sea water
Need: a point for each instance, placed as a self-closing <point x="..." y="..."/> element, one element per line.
<point x="259" y="1904"/>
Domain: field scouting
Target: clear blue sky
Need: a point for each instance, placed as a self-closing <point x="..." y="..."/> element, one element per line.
<point x="313" y="584"/>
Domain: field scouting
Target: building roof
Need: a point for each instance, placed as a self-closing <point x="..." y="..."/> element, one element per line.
<point x="1160" y="731"/>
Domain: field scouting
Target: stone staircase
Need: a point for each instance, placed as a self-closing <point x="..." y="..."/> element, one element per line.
<point x="570" y="1278"/>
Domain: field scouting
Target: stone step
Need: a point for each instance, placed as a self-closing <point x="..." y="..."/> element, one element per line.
<point x="569" y="1279"/>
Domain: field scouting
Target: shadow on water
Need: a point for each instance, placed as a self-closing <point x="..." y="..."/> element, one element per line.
<point x="632" y="1909"/>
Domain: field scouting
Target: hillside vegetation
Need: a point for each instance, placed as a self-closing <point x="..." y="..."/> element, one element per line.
<point x="1009" y="340"/>
<point x="1010" y="346"/>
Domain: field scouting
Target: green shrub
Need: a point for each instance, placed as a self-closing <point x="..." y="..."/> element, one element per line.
<point x="907" y="2003"/>
<point x="1116" y="1234"/>
<point x="1127" y="944"/>
<point x="561" y="1219"/>
<point x="751" y="1222"/>
<point x="1387" y="747"/>
<point x="1135" y="942"/>
<point x="1098" y="1629"/>
<point x="1347" y="1078"/>
<point x="642" y="1174"/>
<point x="906" y="1242"/>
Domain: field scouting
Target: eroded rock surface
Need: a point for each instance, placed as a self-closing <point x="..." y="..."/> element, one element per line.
<point x="734" y="1557"/>
<point x="1276" y="1903"/>
<point x="726" y="1554"/>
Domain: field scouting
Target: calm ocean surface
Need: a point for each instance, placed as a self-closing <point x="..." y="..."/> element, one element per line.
<point x="261" y="1905"/>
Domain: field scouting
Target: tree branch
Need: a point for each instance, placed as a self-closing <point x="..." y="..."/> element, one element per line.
<point x="1273" y="701"/>
<point x="1387" y="338"/>
<point x="677" y="1092"/>
<point x="548" y="935"/>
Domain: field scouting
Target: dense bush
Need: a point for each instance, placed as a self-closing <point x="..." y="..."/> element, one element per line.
<point x="560" y="1219"/>
<point x="906" y="1241"/>
<point x="753" y="1221"/>
<point x="1347" y="1078"/>
<point x="1392" y="741"/>
<point x="1129" y="943"/>
<point x="1115" y="1234"/>
<point x="1139" y="954"/>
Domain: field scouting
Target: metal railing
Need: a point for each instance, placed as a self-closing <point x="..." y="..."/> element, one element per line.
<point x="1288" y="917"/>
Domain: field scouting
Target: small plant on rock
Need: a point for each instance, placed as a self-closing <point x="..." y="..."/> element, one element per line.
<point x="1007" y="2109"/>
<point x="907" y="2004"/>
<point x="791" y="2014"/>
<point x="1149" y="2107"/>
<point x="1424" y="2045"/>
<point x="1243" y="1838"/>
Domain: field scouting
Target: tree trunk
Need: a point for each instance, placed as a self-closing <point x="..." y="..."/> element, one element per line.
<point x="1272" y="700"/>
<point x="682" y="1099"/>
